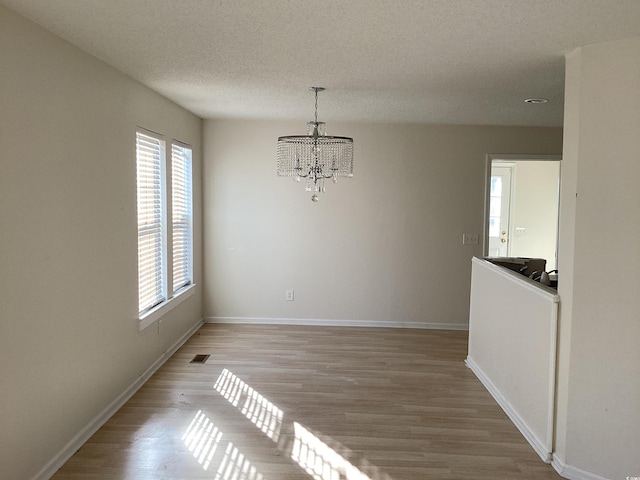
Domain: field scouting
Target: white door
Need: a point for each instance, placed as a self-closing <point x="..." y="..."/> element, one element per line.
<point x="499" y="205"/>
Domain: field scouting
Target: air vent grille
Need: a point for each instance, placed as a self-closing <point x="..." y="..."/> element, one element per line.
<point x="200" y="358"/>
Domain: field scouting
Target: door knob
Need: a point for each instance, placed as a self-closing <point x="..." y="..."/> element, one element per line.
<point x="503" y="240"/>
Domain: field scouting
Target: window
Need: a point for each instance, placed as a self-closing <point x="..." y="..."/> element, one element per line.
<point x="164" y="231"/>
<point x="181" y="215"/>
<point x="151" y="222"/>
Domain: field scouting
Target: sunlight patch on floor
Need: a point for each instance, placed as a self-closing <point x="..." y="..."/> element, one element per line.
<point x="319" y="460"/>
<point x="202" y="439"/>
<point x="235" y="466"/>
<point x="262" y="413"/>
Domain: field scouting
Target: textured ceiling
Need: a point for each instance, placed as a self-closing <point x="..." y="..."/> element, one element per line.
<point x="426" y="61"/>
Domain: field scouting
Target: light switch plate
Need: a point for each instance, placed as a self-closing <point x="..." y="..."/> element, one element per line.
<point x="470" y="239"/>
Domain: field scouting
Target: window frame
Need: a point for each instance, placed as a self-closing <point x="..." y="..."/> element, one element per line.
<point x="171" y="297"/>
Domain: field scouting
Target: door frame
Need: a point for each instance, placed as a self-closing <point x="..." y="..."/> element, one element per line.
<point x="487" y="187"/>
<point x="511" y="166"/>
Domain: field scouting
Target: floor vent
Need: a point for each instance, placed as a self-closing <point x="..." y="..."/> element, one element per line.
<point x="199" y="358"/>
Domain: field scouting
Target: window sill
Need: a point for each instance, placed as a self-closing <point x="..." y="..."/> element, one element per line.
<point x="165" y="307"/>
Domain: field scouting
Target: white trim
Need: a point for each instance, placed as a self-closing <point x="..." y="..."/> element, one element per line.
<point x="537" y="444"/>
<point x="336" y="323"/>
<point x="165" y="307"/>
<point x="572" y="473"/>
<point x="94" y="425"/>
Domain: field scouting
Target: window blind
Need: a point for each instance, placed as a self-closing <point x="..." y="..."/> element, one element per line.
<point x="181" y="216"/>
<point x="151" y="238"/>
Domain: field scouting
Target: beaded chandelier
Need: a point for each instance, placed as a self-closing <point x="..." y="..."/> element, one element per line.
<point x="316" y="156"/>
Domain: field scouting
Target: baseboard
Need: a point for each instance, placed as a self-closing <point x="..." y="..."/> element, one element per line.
<point x="539" y="446"/>
<point x="336" y="323"/>
<point x="92" y="427"/>
<point x="572" y="473"/>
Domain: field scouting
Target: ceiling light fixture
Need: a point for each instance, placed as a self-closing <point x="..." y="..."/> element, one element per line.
<point x="315" y="156"/>
<point x="536" y="100"/>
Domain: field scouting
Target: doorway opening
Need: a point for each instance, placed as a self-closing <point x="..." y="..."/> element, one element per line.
<point x="522" y="207"/>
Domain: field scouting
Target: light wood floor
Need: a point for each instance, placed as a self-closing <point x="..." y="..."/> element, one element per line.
<point x="291" y="402"/>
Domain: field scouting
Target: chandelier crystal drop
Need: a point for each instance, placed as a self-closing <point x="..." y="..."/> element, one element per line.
<point x="316" y="157"/>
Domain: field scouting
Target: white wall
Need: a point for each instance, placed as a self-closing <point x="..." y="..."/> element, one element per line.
<point x="384" y="246"/>
<point x="535" y="208"/>
<point x="69" y="340"/>
<point x="599" y="378"/>
<point x="512" y="348"/>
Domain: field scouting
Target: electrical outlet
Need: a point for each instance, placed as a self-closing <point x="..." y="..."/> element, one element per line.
<point x="288" y="295"/>
<point x="470" y="239"/>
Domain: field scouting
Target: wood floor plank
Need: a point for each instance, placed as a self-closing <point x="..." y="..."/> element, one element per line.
<point x="328" y="403"/>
